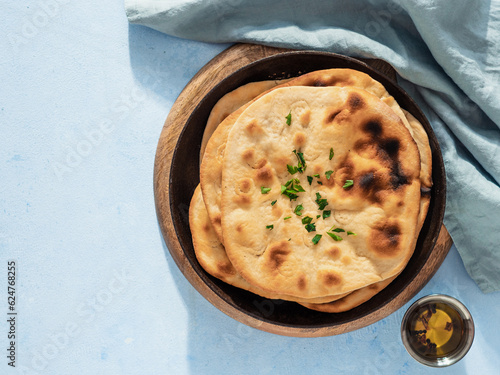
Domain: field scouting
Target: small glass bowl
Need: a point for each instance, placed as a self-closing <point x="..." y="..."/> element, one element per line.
<point x="457" y="345"/>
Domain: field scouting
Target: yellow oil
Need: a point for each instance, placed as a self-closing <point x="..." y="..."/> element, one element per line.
<point x="435" y="330"/>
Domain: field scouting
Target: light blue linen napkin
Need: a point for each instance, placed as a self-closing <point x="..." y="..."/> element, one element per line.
<point x="447" y="54"/>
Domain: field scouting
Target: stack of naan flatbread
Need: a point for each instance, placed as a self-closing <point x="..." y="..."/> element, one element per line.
<point x="312" y="190"/>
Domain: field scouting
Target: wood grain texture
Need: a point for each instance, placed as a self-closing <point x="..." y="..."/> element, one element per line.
<point x="208" y="77"/>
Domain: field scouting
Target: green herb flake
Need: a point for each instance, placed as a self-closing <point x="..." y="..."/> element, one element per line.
<point x="326" y="214"/>
<point x="269" y="226"/>
<point x="328" y="174"/>
<point x="298" y="210"/>
<point x="320" y="183"/>
<point x="286" y="218"/>
<point x="338" y="230"/>
<point x="289" y="193"/>
<point x="316" y="239"/>
<point x="306" y="220"/>
<point x="273" y="203"/>
<point x="316" y="175"/>
<point x="349" y="233"/>
<point x="301" y="161"/>
<point x="321" y="202"/>
<point x="289" y="118"/>
<point x="318" y="216"/>
<point x="264" y="190"/>
<point x="348" y="183"/>
<point x="331" y="154"/>
<point x="309" y="179"/>
<point x="334" y="236"/>
<point x="311" y="227"/>
<point x="292" y="169"/>
<point x="298" y="188"/>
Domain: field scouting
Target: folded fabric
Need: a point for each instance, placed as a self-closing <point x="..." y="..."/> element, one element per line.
<point x="447" y="54"/>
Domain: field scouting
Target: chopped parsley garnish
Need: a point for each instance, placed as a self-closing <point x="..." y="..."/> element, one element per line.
<point x="309" y="179"/>
<point x="349" y="233"/>
<point x="331" y="154"/>
<point x="306" y="220"/>
<point x="319" y="182"/>
<point x="273" y="202"/>
<point x="322" y="203"/>
<point x="291" y="188"/>
<point x="318" y="216"/>
<point x="338" y="230"/>
<point x="316" y="239"/>
<point x="348" y="183"/>
<point x="311" y="227"/>
<point x="289" y="118"/>
<point x="269" y="226"/>
<point x="289" y="193"/>
<point x="334" y="236"/>
<point x="298" y="210"/>
<point x="326" y="214"/>
<point x="286" y="218"/>
<point x="328" y="174"/>
<point x="302" y="162"/>
<point x="264" y="190"/>
<point x="298" y="188"/>
<point x="316" y="175"/>
<point x="292" y="169"/>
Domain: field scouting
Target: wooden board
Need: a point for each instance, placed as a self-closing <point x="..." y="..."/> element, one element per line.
<point x="208" y="77"/>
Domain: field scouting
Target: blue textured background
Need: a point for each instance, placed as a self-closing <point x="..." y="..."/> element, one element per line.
<point x="83" y="98"/>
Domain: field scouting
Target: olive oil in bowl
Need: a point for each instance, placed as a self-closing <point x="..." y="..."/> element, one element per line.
<point x="437" y="330"/>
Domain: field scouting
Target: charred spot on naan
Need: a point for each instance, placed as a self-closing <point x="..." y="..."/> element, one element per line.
<point x="386" y="149"/>
<point x="277" y="254"/>
<point x="302" y="282"/>
<point x="254" y="129"/>
<point x="385" y="238"/>
<point x="263" y="174"/>
<point x="334" y="252"/>
<point x="372" y="184"/>
<point x="242" y="199"/>
<point x="299" y="139"/>
<point x="327" y="80"/>
<point x="305" y="117"/>
<point x="331" y="279"/>
<point x="355" y="102"/>
<point x="248" y="155"/>
<point x="245" y="184"/>
<point x="226" y="269"/>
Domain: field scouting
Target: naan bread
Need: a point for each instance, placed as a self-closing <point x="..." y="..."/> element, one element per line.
<point x="211" y="255"/>
<point x="372" y="147"/>
<point x="420" y="136"/>
<point x="230" y="103"/>
<point x="211" y="166"/>
<point x="352" y="300"/>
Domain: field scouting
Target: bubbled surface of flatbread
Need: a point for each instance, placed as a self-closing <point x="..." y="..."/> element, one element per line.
<point x="230" y="102"/>
<point x="372" y="147"/>
<point x="212" y="256"/>
<point x="216" y="136"/>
